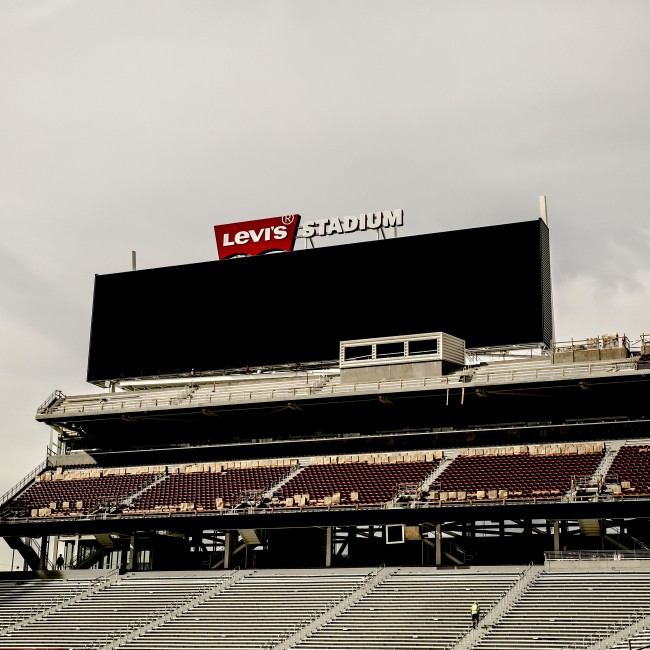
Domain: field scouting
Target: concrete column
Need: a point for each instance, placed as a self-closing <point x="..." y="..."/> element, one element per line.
<point x="328" y="547"/>
<point x="130" y="562"/>
<point x="54" y="549"/>
<point x="556" y="535"/>
<point x="438" y="544"/>
<point x="227" y="559"/>
<point x="42" y="560"/>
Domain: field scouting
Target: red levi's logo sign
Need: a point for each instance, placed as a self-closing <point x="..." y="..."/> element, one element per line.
<point x="256" y="237"/>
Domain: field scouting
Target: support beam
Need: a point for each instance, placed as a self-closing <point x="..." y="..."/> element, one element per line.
<point x="130" y="562"/>
<point x="556" y="535"/>
<point x="438" y="544"/>
<point x="328" y="547"/>
<point x="227" y="558"/>
<point x="42" y="560"/>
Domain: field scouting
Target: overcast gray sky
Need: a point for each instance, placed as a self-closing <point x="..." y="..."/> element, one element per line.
<point x="140" y="124"/>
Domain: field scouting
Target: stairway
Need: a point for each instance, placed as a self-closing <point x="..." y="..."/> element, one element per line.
<point x="590" y="527"/>
<point x="27" y="552"/>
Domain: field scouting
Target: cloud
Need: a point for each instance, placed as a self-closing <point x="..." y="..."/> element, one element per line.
<point x="586" y="307"/>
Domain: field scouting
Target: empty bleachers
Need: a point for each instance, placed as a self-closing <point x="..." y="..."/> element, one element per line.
<point x="544" y="472"/>
<point x="401" y="609"/>
<point x="413" y="609"/>
<point x="209" y="486"/>
<point x="505" y="474"/>
<point x="254" y="612"/>
<point x="331" y="481"/>
<point x="80" y="491"/>
<point x="25" y="598"/>
<point x="563" y="609"/>
<point x="125" y="605"/>
<point x="631" y="468"/>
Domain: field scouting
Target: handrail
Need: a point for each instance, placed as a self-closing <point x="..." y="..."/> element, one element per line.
<point x="470" y="635"/>
<point x="155" y="620"/>
<point x="168" y="398"/>
<point x="616" y="632"/>
<point x="317" y="619"/>
<point x="634" y="554"/>
<point x="51" y="399"/>
<point x="151" y="514"/>
<point x="9" y="494"/>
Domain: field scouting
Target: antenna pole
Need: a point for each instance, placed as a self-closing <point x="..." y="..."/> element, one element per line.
<point x="543" y="212"/>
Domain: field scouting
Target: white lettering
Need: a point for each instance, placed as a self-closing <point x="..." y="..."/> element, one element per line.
<point x="280" y="232"/>
<point x="307" y="229"/>
<point x="321" y="226"/>
<point x="226" y="240"/>
<point x="335" y="226"/>
<point x="350" y="224"/>
<point x="391" y="219"/>
<point x="256" y="235"/>
<point x="242" y="237"/>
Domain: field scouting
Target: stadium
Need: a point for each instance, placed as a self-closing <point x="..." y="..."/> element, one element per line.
<point x="339" y="447"/>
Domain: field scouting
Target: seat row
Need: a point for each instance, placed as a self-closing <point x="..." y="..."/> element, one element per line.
<point x="290" y="484"/>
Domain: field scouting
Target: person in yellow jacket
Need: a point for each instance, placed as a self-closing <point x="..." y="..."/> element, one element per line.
<point x="476" y="613"/>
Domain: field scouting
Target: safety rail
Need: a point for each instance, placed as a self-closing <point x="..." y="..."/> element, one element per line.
<point x="11" y="493"/>
<point x="468" y="637"/>
<point x="633" y="554"/>
<point x="54" y="397"/>
<point x="172" y="611"/>
<point x="57" y="604"/>
<point x="616" y="633"/>
<point x="330" y="611"/>
<point x="252" y="510"/>
<point x="603" y="341"/>
<point x="127" y="401"/>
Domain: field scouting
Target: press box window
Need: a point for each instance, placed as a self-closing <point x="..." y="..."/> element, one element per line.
<point x="390" y="350"/>
<point x="423" y="346"/>
<point x="358" y="353"/>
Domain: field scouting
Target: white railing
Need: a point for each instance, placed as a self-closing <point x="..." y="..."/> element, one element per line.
<point x="170" y="398"/>
<point x="616" y="633"/>
<point x="471" y="635"/>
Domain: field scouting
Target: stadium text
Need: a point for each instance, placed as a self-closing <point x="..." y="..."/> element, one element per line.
<point x="339" y="225"/>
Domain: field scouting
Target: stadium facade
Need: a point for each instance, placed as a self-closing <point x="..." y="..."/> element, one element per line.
<point x="302" y="449"/>
<point x="399" y="402"/>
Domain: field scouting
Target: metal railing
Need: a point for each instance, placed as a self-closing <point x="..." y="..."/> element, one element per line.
<point x="24" y="482"/>
<point x="329" y="611"/>
<point x="613" y="556"/>
<point x="616" y="633"/>
<point x="270" y="511"/>
<point x="126" y="401"/>
<point x="468" y="637"/>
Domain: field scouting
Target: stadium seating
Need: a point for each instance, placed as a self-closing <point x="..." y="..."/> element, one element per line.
<point x="516" y="473"/>
<point x="81" y="491"/>
<point x="23" y="599"/>
<point x="631" y="469"/>
<point x="413" y="608"/>
<point x="254" y="612"/>
<point x="223" y="486"/>
<point x="398" y="609"/>
<point x="563" y="609"/>
<point x="506" y="474"/>
<point x="124" y="605"/>
<point x="343" y="483"/>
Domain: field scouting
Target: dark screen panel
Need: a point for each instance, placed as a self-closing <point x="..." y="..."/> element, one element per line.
<point x="488" y="286"/>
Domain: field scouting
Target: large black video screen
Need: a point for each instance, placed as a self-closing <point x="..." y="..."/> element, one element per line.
<point x="489" y="286"/>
